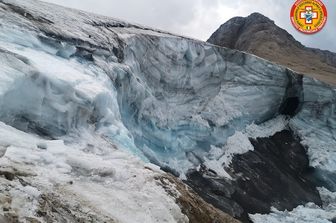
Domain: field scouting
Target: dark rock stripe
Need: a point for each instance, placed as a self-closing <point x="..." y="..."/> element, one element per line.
<point x="276" y="173"/>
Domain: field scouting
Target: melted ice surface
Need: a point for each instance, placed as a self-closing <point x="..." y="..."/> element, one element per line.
<point x="166" y="99"/>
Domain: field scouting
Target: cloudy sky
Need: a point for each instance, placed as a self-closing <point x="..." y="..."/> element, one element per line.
<point x="200" y="18"/>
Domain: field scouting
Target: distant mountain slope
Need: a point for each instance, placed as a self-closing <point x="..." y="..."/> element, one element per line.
<point x="259" y="35"/>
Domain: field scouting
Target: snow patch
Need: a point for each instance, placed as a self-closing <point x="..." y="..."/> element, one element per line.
<point x="268" y="128"/>
<point x="309" y="213"/>
<point x="220" y="157"/>
<point x="239" y="143"/>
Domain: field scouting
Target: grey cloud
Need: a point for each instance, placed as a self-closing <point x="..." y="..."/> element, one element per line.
<point x="200" y="18"/>
<point x="148" y="12"/>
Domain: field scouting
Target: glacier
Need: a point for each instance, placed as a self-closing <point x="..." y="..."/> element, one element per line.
<point x="68" y="76"/>
<point x="178" y="110"/>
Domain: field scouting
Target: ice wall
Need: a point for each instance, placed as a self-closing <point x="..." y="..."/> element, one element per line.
<point x="166" y="98"/>
<point x="315" y="124"/>
<point x="180" y="97"/>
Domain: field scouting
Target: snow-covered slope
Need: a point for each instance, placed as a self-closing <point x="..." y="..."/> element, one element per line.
<point x="95" y="178"/>
<point x="80" y="93"/>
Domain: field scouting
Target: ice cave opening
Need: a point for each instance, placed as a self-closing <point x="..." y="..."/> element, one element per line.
<point x="290" y="106"/>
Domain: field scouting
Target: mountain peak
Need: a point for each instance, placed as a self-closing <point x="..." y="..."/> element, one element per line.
<point x="259" y="35"/>
<point x="258" y="16"/>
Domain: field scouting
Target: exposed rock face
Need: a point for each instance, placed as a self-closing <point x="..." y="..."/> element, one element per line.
<point x="191" y="204"/>
<point x="276" y="174"/>
<point x="259" y="35"/>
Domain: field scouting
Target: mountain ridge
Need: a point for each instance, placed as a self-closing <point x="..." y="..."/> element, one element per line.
<point x="259" y="35"/>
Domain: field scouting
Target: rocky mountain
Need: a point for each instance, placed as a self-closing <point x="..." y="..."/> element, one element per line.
<point x="259" y="35"/>
<point x="106" y="121"/>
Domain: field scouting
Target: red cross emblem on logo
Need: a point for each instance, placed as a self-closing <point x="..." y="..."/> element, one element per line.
<point x="308" y="15"/>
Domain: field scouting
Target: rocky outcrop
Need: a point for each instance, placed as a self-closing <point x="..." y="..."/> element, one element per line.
<point x="193" y="206"/>
<point x="259" y="35"/>
<point x="275" y="174"/>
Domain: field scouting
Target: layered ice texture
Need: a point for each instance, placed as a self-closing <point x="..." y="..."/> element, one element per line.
<point x="169" y="100"/>
<point x="165" y="98"/>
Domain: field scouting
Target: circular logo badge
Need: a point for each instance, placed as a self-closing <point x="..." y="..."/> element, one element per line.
<point x="308" y="16"/>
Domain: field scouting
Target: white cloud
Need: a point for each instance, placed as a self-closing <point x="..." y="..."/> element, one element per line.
<point x="200" y="18"/>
